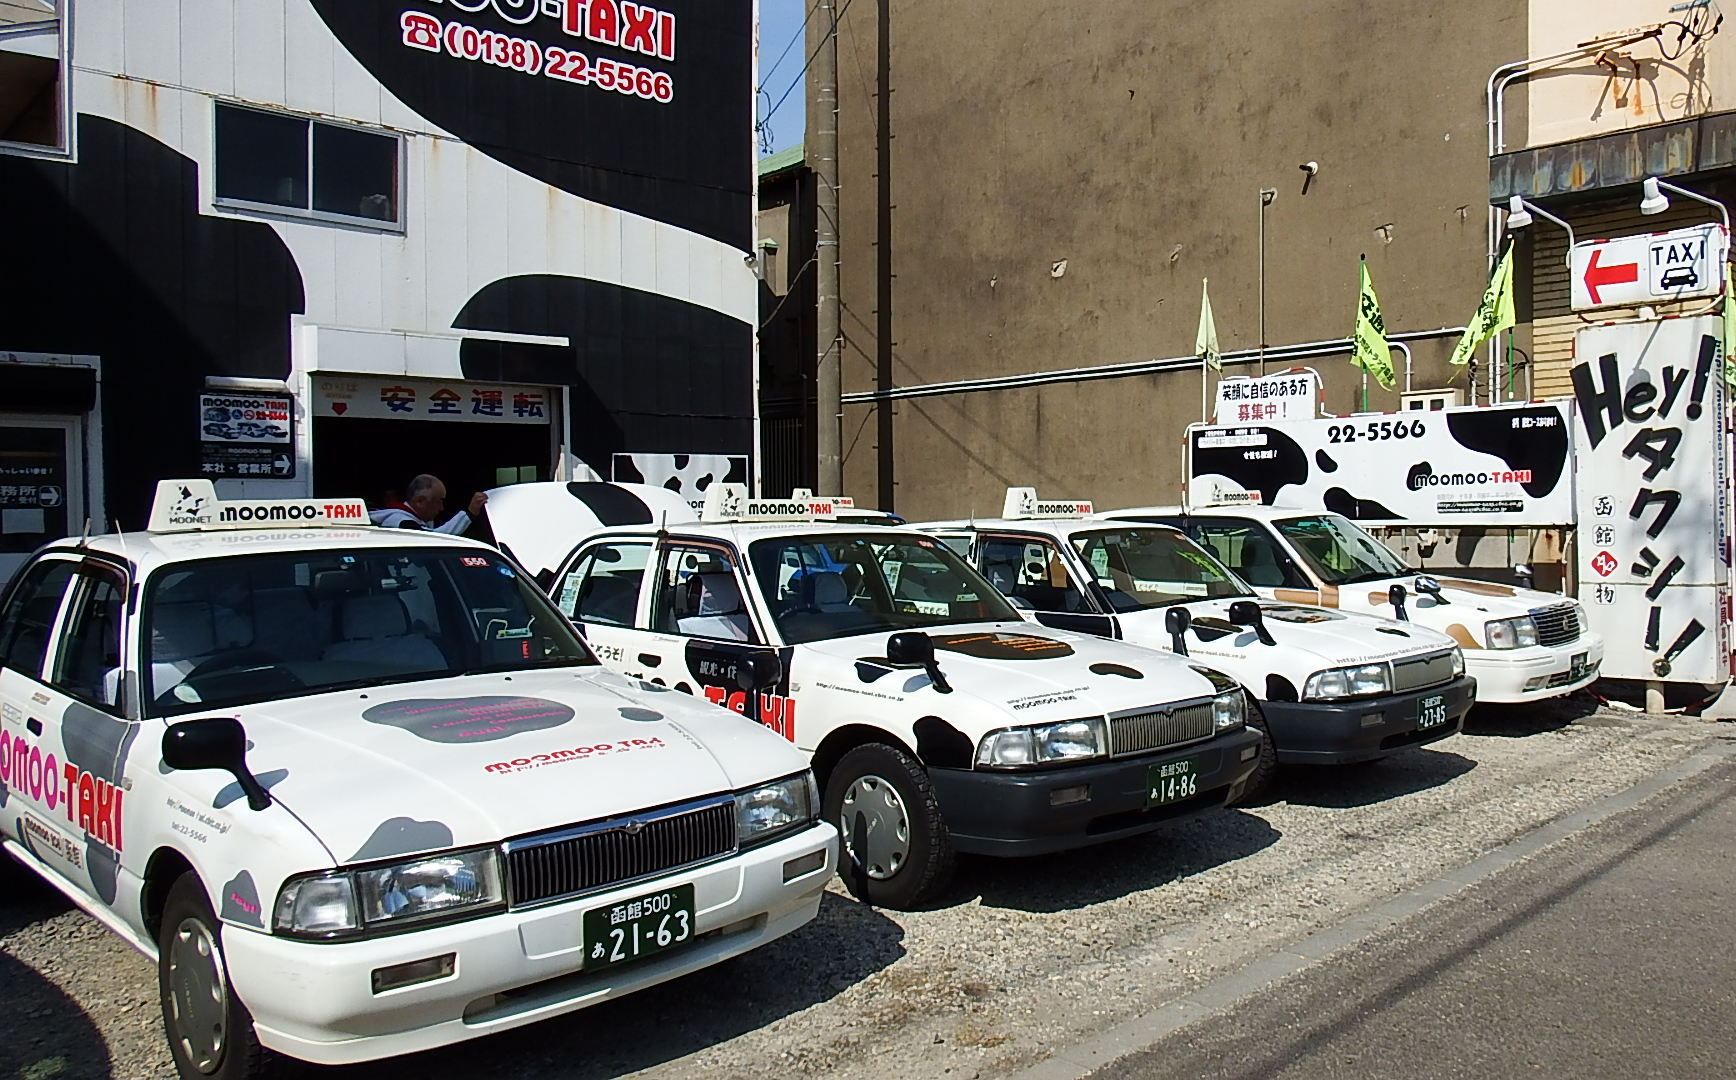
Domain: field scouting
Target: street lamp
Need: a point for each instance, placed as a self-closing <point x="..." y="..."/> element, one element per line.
<point x="1266" y="197"/>
<point x="1519" y="216"/>
<point x="1654" y="201"/>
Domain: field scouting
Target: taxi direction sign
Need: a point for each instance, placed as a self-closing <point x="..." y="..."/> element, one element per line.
<point x="1681" y="264"/>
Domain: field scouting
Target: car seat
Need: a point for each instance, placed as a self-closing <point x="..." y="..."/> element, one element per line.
<point x="1259" y="565"/>
<point x="183" y="635"/>
<point x="716" y="602"/>
<point x="375" y="630"/>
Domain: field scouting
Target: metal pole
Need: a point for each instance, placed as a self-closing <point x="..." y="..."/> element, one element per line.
<point x="824" y="153"/>
<point x="1266" y="197"/>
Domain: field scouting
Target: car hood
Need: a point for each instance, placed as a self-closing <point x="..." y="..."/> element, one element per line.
<point x="1469" y="603"/>
<point x="1022" y="673"/>
<point x="541" y="523"/>
<point x="385" y="772"/>
<point x="1308" y="639"/>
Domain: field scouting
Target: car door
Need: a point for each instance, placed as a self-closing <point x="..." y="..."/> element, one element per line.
<point x="600" y="589"/>
<point x="1036" y="571"/>
<point x="28" y="621"/>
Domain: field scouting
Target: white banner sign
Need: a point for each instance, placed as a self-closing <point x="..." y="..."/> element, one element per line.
<point x="1653" y="566"/>
<point x="1289" y="395"/>
<point x="356" y="397"/>
<point x="1497" y="465"/>
<point x="1650" y="269"/>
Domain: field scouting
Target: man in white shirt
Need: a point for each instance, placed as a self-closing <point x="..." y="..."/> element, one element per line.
<point x="424" y="500"/>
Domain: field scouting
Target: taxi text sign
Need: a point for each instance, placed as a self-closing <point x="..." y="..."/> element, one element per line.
<point x="1681" y="264"/>
<point x="1489" y="465"/>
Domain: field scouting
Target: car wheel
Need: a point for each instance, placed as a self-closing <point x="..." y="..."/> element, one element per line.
<point x="1259" y="786"/>
<point x="209" y="1030"/>
<point x="895" y="851"/>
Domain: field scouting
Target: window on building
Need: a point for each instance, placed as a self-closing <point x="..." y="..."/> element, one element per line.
<point x="291" y="164"/>
<point x="33" y="101"/>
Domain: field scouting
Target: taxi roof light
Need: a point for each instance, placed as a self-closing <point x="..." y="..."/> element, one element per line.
<point x="193" y="506"/>
<point x="730" y="502"/>
<point x="1022" y="505"/>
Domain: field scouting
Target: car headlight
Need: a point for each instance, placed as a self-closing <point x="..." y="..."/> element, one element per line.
<point x="1045" y="744"/>
<point x="771" y="809"/>
<point x="357" y="901"/>
<point x="1458" y="661"/>
<point x="1515" y="633"/>
<point x="1347" y="682"/>
<point x="1229" y="711"/>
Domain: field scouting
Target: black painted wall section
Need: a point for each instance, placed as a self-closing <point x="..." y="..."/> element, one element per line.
<point x="111" y="257"/>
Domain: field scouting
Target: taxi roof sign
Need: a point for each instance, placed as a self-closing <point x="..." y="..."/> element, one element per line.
<point x="839" y="502"/>
<point x="1022" y="504"/>
<point x="193" y="506"/>
<point x="730" y="502"/>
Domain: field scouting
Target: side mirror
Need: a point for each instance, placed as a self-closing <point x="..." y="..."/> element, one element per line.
<point x="1432" y="588"/>
<point x="215" y="743"/>
<point x="1176" y="620"/>
<point x="913" y="648"/>
<point x="1395" y="596"/>
<point x="1248" y="613"/>
<point x="757" y="671"/>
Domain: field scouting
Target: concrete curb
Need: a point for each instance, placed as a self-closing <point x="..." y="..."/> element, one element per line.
<point x="1147" y="1029"/>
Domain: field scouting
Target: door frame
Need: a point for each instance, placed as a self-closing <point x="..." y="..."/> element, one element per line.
<point x="74" y="429"/>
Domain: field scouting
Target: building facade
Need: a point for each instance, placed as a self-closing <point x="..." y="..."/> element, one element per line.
<point x="788" y="321"/>
<point x="318" y="246"/>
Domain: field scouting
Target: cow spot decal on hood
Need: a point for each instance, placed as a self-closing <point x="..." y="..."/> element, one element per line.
<point x="241" y="901"/>
<point x="404" y="836"/>
<point x="1004" y="646"/>
<point x="1117" y="669"/>
<point x="470" y="720"/>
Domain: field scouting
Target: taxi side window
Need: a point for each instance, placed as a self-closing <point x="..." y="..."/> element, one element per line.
<point x="959" y="543"/>
<point x="28" y="620"/>
<point x="699" y="595"/>
<point x="1249" y="552"/>
<point x="603" y="586"/>
<point x="1032" y="571"/>
<point x="88" y="663"/>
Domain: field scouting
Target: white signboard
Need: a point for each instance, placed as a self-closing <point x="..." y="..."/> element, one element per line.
<point x="1649" y="428"/>
<point x="1676" y="265"/>
<point x="246" y="435"/>
<point x="1495" y="465"/>
<point x="355" y="397"/>
<point x="1289" y="395"/>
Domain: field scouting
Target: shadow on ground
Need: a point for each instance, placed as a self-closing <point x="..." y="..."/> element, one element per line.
<point x="1530" y="718"/>
<point x="50" y="1035"/>
<point x="25" y="900"/>
<point x="1340" y="787"/>
<point x="1076" y="879"/>
<point x="844" y="945"/>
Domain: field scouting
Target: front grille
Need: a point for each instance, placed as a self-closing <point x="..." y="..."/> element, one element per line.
<point x="1557" y="624"/>
<point x="1422" y="672"/>
<point x="1137" y="733"/>
<point x="585" y="858"/>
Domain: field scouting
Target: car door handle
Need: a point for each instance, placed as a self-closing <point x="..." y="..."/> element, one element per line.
<point x="648" y="660"/>
<point x="34" y="725"/>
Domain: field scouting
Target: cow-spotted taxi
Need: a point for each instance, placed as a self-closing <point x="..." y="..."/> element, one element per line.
<point x="938" y="721"/>
<point x="361" y="792"/>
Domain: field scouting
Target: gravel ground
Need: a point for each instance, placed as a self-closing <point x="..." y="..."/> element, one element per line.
<point x="1024" y="955"/>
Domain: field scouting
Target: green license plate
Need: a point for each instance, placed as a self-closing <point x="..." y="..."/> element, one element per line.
<point x="634" y="929"/>
<point x="1172" y="782"/>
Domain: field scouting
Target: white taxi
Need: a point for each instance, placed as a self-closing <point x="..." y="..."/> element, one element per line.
<point x="361" y="792"/>
<point x="938" y="721"/>
<point x="1520" y="644"/>
<point x="1332" y="688"/>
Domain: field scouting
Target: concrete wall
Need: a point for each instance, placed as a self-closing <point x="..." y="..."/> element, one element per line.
<point x="1130" y="138"/>
<point x="1637" y="85"/>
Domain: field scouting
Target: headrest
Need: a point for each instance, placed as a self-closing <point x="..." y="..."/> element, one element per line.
<point x="181" y="630"/>
<point x="369" y="617"/>
<point x="829" y="589"/>
<point x="718" y="594"/>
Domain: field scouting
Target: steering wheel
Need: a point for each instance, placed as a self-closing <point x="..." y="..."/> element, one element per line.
<point x="231" y="660"/>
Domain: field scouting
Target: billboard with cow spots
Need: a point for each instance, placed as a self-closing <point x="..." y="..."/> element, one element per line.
<point x="1495" y="466"/>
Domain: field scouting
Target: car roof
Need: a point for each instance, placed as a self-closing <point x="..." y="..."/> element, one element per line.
<point x="1258" y="513"/>
<point x="1053" y="526"/>
<point x="742" y="533"/>
<point x="147" y="550"/>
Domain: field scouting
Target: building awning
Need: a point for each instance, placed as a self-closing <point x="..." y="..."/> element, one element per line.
<point x="1615" y="160"/>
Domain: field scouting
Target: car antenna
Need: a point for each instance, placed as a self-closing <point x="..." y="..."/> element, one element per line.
<point x="84" y="538"/>
<point x="662" y="525"/>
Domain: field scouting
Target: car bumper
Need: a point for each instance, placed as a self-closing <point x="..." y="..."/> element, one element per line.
<point x="1034" y="813"/>
<point x="316" y="1002"/>
<point x="1537" y="672"/>
<point x="1337" y="734"/>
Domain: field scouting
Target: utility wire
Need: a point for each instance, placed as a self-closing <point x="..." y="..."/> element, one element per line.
<point x="830" y="32"/>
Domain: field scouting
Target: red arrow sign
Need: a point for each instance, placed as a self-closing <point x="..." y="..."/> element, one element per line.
<point x="1614" y="274"/>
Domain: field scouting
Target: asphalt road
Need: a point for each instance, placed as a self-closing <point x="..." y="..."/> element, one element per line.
<point x="1612" y="954"/>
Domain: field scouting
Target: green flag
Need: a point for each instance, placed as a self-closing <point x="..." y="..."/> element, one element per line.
<point x="1206" y="343"/>
<point x="1369" y="348"/>
<point x="1494" y="314"/>
<point x="1729" y="329"/>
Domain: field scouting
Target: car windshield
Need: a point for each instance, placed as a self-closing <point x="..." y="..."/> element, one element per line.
<point x="1142" y="568"/>
<point x="1338" y="551"/>
<point x="830" y="586"/>
<point x="253" y="628"/>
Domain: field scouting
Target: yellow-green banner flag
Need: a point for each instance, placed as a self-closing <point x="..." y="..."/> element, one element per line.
<point x="1369" y="350"/>
<point x="1206" y="342"/>
<point x="1494" y="314"/>
<point x="1729" y="329"/>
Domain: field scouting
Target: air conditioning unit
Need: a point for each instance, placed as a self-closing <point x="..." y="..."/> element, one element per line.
<point x="1430" y="400"/>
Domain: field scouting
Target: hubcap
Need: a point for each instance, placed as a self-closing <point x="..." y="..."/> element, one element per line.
<point x="875" y="826"/>
<point x="198" y="994"/>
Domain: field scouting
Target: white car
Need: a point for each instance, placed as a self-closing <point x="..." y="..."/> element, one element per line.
<point x="1332" y="688"/>
<point x="938" y="721"/>
<point x="1520" y="644"/>
<point x="361" y="792"/>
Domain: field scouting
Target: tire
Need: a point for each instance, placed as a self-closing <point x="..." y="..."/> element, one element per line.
<point x="190" y="938"/>
<point x="1265" y="774"/>
<point x="918" y="862"/>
